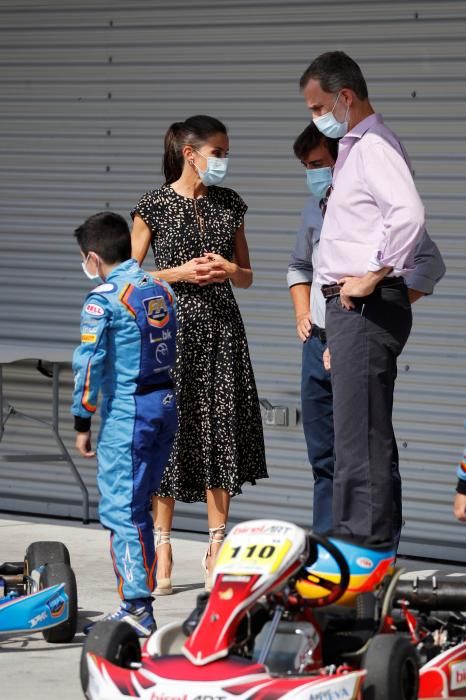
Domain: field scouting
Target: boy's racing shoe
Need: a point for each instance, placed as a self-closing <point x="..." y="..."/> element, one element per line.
<point x="137" y="613"/>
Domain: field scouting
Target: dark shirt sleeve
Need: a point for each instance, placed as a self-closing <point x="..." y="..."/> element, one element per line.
<point x="430" y="267"/>
<point x="300" y="269"/>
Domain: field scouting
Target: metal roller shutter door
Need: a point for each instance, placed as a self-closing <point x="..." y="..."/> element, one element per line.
<point x="88" y="91"/>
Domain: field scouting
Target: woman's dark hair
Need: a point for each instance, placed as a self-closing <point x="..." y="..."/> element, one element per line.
<point x="107" y="234"/>
<point x="194" y="131"/>
<point x="335" y="70"/>
<point x="309" y="139"/>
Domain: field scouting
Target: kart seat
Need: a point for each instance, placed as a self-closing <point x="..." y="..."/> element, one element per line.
<point x="346" y="630"/>
<point x="12" y="568"/>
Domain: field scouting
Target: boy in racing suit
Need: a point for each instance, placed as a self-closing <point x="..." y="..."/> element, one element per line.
<point x="127" y="351"/>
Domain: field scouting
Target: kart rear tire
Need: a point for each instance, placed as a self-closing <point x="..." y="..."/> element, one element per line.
<point x="116" y="642"/>
<point x="41" y="553"/>
<point x="61" y="573"/>
<point x="392" y="669"/>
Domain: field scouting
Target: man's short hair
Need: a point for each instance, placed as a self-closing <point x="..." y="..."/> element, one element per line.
<point x="335" y="70"/>
<point x="309" y="139"/>
<point x="106" y="234"/>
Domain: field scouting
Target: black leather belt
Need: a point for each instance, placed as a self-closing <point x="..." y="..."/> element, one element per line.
<point x="141" y="390"/>
<point x="320" y="333"/>
<point x="333" y="290"/>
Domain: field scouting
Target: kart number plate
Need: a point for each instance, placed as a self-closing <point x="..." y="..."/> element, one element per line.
<point x="255" y="555"/>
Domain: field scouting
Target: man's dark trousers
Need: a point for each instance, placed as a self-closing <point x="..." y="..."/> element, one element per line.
<point x="364" y="344"/>
<point x="317" y="416"/>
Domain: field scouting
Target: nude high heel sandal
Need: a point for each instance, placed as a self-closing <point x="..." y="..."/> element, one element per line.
<point x="164" y="585"/>
<point x="216" y="536"/>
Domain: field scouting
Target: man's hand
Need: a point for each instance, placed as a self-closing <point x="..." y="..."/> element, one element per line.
<point x="360" y="286"/>
<point x="355" y="287"/>
<point x="459" y="507"/>
<point x="303" y="326"/>
<point x="301" y="297"/>
<point x="83" y="444"/>
<point x="326" y="360"/>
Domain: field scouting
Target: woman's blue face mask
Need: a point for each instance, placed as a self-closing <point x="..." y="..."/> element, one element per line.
<point x="215" y="172"/>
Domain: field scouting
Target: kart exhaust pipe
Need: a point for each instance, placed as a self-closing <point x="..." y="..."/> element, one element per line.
<point x="432" y="594"/>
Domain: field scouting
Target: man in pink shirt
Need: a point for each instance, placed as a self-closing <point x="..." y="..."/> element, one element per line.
<point x="373" y="221"/>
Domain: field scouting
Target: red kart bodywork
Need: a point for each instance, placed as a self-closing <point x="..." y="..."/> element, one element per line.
<point x="445" y="675"/>
<point x="174" y="678"/>
<point x="208" y="664"/>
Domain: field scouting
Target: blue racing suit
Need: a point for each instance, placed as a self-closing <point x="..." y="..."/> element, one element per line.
<point x="127" y="350"/>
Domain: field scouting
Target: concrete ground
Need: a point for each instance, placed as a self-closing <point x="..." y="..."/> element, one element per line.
<point x="31" y="669"/>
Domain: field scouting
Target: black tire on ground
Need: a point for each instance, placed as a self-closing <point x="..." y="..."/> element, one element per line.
<point x="116" y="642"/>
<point x="392" y="669"/>
<point x="61" y="573"/>
<point x="41" y="553"/>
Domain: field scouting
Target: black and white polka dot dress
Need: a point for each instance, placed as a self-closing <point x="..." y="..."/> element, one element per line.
<point x="220" y="441"/>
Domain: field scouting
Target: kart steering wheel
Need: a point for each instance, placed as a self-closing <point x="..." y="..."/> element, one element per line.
<point x="336" y="589"/>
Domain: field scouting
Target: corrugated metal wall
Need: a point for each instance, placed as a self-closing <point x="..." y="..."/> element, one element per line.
<point x="88" y="90"/>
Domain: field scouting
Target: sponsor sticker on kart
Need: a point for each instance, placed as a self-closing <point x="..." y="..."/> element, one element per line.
<point x="38" y="618"/>
<point x="56" y="606"/>
<point x="458" y="675"/>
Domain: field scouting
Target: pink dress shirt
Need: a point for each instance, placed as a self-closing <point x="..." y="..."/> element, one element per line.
<point x="374" y="216"/>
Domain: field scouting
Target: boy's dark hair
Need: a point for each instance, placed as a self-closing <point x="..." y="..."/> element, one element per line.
<point x="309" y="139"/>
<point x="106" y="234"/>
<point x="335" y="70"/>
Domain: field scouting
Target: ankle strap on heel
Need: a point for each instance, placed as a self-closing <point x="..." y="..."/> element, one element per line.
<point x="163" y="537"/>
<point x="216" y="536"/>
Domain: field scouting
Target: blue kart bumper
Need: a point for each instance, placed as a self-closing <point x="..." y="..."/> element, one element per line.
<point x="46" y="608"/>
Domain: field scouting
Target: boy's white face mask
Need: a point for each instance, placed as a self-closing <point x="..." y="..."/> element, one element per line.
<point x="86" y="271"/>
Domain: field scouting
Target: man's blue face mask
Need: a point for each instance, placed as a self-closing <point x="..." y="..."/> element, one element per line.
<point x="318" y="181"/>
<point x="329" y="126"/>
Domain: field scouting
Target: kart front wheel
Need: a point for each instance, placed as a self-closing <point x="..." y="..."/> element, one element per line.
<point x="61" y="573"/>
<point x="116" y="642"/>
<point x="41" y="553"/>
<point x="392" y="669"/>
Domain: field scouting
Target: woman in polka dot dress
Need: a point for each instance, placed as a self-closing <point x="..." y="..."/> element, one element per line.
<point x="196" y="230"/>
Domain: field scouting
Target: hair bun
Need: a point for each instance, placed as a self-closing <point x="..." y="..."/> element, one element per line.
<point x="177" y="126"/>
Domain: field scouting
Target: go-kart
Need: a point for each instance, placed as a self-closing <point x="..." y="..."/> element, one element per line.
<point x="39" y="593"/>
<point x="291" y="615"/>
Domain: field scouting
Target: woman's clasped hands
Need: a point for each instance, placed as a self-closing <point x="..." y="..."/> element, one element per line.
<point x="209" y="269"/>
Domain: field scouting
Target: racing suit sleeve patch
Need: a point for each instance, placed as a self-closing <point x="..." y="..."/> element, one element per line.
<point x="88" y="337"/>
